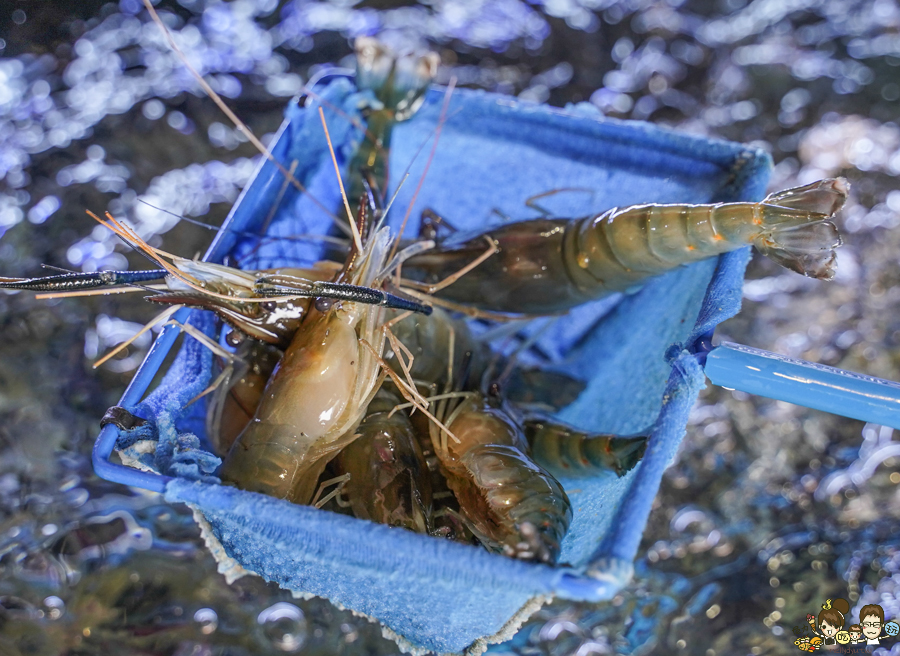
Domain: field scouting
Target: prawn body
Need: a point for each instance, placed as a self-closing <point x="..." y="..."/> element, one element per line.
<point x="551" y="265"/>
<point x="398" y="85"/>
<point x="509" y="502"/>
<point x="388" y="477"/>
<point x="304" y="401"/>
<point x="317" y="394"/>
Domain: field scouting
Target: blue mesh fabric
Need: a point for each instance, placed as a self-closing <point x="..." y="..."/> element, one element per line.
<point x="633" y="351"/>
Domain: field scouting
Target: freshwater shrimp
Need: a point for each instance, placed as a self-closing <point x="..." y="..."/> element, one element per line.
<point x="318" y="393"/>
<point x="567" y="451"/>
<point x="509" y="502"/>
<point x="505" y="500"/>
<point x="388" y="478"/>
<point x="551" y="265"/>
<point x="331" y="370"/>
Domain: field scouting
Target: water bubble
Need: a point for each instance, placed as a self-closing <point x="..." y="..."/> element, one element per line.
<point x="560" y="636"/>
<point x="593" y="647"/>
<point x="96" y="152"/>
<point x="153" y="109"/>
<point x="55" y="607"/>
<point x="207" y="619"/>
<point x="9" y="483"/>
<point x="43" y="209"/>
<point x="284" y="625"/>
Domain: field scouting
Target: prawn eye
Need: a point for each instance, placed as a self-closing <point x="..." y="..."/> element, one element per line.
<point x="324" y="304"/>
<point x="269" y="306"/>
<point x="234" y="338"/>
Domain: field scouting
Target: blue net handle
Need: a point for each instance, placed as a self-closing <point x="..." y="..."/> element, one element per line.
<point x="816" y="386"/>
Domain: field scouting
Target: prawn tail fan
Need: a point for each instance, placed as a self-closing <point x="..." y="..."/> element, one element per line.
<point x="398" y="82"/>
<point x="797" y="229"/>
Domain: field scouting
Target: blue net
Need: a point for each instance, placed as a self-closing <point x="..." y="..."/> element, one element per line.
<point x="634" y="351"/>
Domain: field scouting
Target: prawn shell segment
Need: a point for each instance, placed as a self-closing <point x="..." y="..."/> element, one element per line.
<point x="567" y="451"/>
<point x="509" y="502"/>
<point x="514" y="502"/>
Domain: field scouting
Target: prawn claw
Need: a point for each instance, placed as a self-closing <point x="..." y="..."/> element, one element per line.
<point x="121" y="418"/>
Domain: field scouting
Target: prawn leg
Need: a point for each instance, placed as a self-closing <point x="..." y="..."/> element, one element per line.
<point x="550" y="265"/>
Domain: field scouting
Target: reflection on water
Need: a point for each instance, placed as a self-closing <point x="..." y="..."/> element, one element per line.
<point x="769" y="509"/>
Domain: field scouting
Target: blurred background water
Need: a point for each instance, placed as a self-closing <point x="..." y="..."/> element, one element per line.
<point x="768" y="510"/>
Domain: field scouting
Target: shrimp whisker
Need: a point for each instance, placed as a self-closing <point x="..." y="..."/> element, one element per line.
<point x="277" y="203"/>
<point x="159" y="318"/>
<point x="437" y="136"/>
<point x="234" y="118"/>
<point x="357" y="239"/>
<point x="409" y="395"/>
<point x="99" y="292"/>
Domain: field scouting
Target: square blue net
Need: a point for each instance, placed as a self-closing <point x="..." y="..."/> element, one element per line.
<point x="634" y="352"/>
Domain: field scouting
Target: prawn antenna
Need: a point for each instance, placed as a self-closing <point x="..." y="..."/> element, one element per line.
<point x="234" y="118"/>
<point x="357" y="239"/>
<point x="437" y="136"/>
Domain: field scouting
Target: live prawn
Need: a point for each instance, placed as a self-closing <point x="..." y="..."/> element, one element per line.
<point x="544" y="266"/>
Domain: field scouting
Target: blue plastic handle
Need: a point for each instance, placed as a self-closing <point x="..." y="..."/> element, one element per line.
<point x="805" y="383"/>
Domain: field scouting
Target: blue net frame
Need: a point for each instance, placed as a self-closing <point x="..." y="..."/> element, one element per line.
<point x="636" y="352"/>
